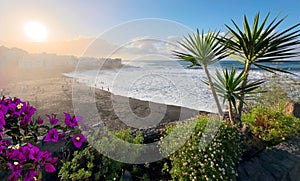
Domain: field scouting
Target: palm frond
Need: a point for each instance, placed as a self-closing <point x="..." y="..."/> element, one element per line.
<point x="262" y="43"/>
<point x="201" y="49"/>
<point x="228" y="85"/>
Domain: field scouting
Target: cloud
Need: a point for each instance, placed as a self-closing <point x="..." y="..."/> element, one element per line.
<point x="100" y="48"/>
<point x="145" y="46"/>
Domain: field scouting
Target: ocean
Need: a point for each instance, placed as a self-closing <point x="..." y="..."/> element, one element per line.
<point x="168" y="81"/>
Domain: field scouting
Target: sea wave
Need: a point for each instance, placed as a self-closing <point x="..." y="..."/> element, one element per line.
<point x="167" y="81"/>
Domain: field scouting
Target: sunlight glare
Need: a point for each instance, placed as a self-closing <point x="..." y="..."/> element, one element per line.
<point x="35" y="31"/>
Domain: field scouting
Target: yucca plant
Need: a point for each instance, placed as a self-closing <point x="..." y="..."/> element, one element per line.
<point x="203" y="50"/>
<point x="229" y="85"/>
<point x="260" y="44"/>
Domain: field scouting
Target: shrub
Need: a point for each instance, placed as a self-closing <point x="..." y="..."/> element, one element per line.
<point x="272" y="125"/>
<point x="211" y="152"/>
<point x="89" y="164"/>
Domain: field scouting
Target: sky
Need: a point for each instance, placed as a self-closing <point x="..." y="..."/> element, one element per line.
<point x="78" y="21"/>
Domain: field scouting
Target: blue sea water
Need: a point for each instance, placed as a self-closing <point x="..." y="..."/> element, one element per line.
<point x="168" y="81"/>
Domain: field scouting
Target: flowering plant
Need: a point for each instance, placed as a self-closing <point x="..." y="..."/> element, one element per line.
<point x="211" y="153"/>
<point x="20" y="136"/>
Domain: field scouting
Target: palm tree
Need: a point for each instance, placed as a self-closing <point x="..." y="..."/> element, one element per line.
<point x="230" y="87"/>
<point x="203" y="50"/>
<point x="261" y="44"/>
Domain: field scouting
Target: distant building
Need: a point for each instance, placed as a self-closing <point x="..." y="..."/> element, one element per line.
<point x="24" y="60"/>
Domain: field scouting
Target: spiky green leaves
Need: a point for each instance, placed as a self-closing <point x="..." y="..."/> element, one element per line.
<point x="202" y="49"/>
<point x="228" y="84"/>
<point x="262" y="43"/>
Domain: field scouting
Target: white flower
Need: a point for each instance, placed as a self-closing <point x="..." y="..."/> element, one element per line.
<point x="16" y="147"/>
<point x="19" y="106"/>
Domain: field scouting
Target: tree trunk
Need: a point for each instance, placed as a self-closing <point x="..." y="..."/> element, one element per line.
<point x="230" y="113"/>
<point x="240" y="104"/>
<point x="220" y="112"/>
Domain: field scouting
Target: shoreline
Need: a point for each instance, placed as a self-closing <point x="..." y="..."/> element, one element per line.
<point x="54" y="95"/>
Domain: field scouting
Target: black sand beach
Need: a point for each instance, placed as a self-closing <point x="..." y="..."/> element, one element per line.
<point x="51" y="92"/>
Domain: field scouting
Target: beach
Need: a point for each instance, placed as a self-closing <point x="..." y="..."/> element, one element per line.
<point x="52" y="93"/>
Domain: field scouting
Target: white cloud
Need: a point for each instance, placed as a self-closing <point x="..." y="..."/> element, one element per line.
<point x="144" y="46"/>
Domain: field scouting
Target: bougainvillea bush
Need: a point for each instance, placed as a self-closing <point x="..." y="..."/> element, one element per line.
<point x="20" y="136"/>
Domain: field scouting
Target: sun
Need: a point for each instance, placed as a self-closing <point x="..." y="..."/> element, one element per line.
<point x="35" y="31"/>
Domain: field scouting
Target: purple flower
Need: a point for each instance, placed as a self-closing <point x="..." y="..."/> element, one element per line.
<point x="12" y="104"/>
<point x="61" y="136"/>
<point x="72" y="121"/>
<point x="15" y="153"/>
<point x="49" y="168"/>
<point x="78" y="140"/>
<point x="25" y="121"/>
<point x="4" y="144"/>
<point x="39" y="120"/>
<point x="4" y="103"/>
<point x="16" y="170"/>
<point x="86" y="127"/>
<point x="29" y="111"/>
<point x="17" y="107"/>
<point x="52" y="118"/>
<point x="51" y="136"/>
<point x="25" y="150"/>
<point x="46" y="158"/>
<point x="2" y="120"/>
<point x="34" y="153"/>
<point x="31" y="175"/>
<point x="52" y="160"/>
